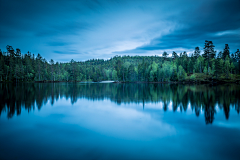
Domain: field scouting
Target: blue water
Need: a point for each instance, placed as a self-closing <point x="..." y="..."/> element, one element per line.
<point x="67" y="127"/>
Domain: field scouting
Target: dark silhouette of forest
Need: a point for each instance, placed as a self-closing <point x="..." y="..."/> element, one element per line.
<point x="18" y="67"/>
<point x="28" y="96"/>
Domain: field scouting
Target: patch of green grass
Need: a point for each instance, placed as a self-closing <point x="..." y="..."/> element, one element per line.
<point x="202" y="77"/>
<point x="198" y="77"/>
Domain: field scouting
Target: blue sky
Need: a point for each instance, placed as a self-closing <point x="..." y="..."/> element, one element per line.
<point x="69" y="29"/>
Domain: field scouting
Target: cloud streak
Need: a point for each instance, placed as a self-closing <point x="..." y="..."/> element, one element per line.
<point x="102" y="29"/>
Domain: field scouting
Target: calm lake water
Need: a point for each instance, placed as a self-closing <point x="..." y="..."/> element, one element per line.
<point x="119" y="121"/>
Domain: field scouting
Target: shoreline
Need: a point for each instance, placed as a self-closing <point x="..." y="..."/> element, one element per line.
<point x="212" y="81"/>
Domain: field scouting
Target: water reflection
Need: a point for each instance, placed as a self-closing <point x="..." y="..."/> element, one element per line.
<point x="204" y="98"/>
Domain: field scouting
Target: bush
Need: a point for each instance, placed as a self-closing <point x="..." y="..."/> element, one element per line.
<point x="193" y="77"/>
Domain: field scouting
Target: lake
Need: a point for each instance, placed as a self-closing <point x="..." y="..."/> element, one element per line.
<point x="119" y="121"/>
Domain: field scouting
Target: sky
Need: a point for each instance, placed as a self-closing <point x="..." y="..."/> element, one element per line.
<point x="85" y="29"/>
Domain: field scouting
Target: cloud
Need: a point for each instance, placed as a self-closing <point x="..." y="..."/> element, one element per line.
<point x="104" y="28"/>
<point x="71" y="28"/>
<point x="57" y="43"/>
<point x="218" y="21"/>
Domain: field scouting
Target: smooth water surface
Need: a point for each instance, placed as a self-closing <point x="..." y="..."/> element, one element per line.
<point x="119" y="121"/>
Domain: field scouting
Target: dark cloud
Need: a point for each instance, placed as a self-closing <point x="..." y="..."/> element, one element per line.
<point x="206" y="22"/>
<point x="65" y="29"/>
<point x="105" y="28"/>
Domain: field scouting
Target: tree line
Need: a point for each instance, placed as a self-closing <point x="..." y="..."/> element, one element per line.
<point x="18" y="67"/>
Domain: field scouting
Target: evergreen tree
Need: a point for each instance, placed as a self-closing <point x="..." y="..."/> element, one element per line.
<point x="118" y="67"/>
<point x="237" y="56"/>
<point x="39" y="65"/>
<point x="218" y="67"/>
<point x="124" y="70"/>
<point x="227" y="66"/>
<point x="212" y="68"/>
<point x="191" y="63"/>
<point x="153" y="71"/>
<point x="131" y="73"/>
<point x="196" y="52"/>
<point x="10" y="51"/>
<point x="209" y="52"/>
<point x="181" y="73"/>
<point x="185" y="61"/>
<point x="174" y="76"/>
<point x="1" y="67"/>
<point x="174" y="55"/>
<point x="52" y="69"/>
<point x="221" y="63"/>
<point x="1" y="53"/>
<point x="205" y="70"/>
<point x="233" y="59"/>
<point x="232" y="67"/>
<point x="165" y="55"/>
<point x="220" y="54"/>
<point x="199" y="65"/>
<point x="114" y="75"/>
<point x="226" y="52"/>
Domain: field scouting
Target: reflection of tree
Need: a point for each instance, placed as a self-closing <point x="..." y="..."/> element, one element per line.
<point x="237" y="106"/>
<point x="209" y="114"/>
<point x="14" y="97"/>
<point x="165" y="106"/>
<point x="197" y="110"/>
<point x="226" y="110"/>
<point x="209" y="106"/>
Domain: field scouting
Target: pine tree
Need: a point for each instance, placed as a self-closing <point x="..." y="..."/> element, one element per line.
<point x="220" y="54"/>
<point x="237" y="56"/>
<point x="185" y="61"/>
<point x="209" y="52"/>
<point x="114" y="75"/>
<point x="164" y="55"/>
<point x="174" y="55"/>
<point x="52" y="68"/>
<point x="1" y="67"/>
<point x="213" y="70"/>
<point x="232" y="67"/>
<point x="181" y="73"/>
<point x="131" y="73"/>
<point x="199" y="64"/>
<point x="226" y="52"/>
<point x="218" y="67"/>
<point x="118" y="67"/>
<point x="174" y="73"/>
<point x="39" y="66"/>
<point x="196" y="52"/>
<point x="233" y="59"/>
<point x="227" y="66"/>
<point x="221" y="63"/>
<point x="205" y="70"/>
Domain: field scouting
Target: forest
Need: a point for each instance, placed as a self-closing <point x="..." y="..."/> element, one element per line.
<point x="173" y="67"/>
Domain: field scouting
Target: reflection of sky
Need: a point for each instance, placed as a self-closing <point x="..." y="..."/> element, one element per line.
<point x="110" y="119"/>
<point x="103" y="129"/>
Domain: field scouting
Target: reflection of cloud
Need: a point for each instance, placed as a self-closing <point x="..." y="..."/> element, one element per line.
<point x="107" y="118"/>
<point x="234" y="124"/>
